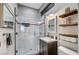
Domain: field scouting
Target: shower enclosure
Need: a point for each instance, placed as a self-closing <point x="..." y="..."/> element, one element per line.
<point x="26" y="30"/>
<point x="27" y="38"/>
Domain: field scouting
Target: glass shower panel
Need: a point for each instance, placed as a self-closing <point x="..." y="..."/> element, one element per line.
<point x="27" y="42"/>
<point x="37" y="37"/>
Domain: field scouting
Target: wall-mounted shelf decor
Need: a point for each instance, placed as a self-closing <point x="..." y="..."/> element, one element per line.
<point x="70" y="41"/>
<point x="7" y="27"/>
<point x="72" y="12"/>
<point x="73" y="24"/>
<point x="68" y="21"/>
<point x="70" y="35"/>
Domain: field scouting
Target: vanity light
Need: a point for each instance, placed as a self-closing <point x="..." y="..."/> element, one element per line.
<point x="50" y="16"/>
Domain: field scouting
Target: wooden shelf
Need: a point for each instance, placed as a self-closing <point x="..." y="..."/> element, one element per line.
<point x="7" y="27"/>
<point x="72" y="12"/>
<point x="70" y="35"/>
<point x="75" y="24"/>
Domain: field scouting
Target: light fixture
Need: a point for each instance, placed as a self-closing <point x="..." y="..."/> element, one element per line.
<point x="50" y="16"/>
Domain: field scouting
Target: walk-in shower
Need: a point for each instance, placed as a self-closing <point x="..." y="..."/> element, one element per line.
<point x="27" y="38"/>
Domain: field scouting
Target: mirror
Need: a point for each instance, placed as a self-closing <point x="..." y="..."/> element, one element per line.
<point x="52" y="23"/>
<point x="7" y="14"/>
<point x="8" y="17"/>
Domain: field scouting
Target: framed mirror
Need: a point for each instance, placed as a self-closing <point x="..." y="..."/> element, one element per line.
<point x="8" y="17"/>
<point x="52" y="25"/>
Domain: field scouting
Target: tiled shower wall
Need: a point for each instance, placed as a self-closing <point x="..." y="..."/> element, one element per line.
<point x="27" y="42"/>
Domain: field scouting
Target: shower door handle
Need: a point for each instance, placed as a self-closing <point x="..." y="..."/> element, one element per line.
<point x="34" y="33"/>
<point x="16" y="51"/>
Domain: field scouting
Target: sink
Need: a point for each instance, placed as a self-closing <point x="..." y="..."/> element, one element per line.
<point x="47" y="39"/>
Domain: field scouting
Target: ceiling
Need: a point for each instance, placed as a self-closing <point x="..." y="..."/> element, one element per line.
<point x="57" y="7"/>
<point x="32" y="5"/>
<point x="53" y="10"/>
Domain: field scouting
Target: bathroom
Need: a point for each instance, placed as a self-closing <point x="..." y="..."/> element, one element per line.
<point x="39" y="29"/>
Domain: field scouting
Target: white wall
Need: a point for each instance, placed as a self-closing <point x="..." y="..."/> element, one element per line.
<point x="78" y="28"/>
<point x="4" y="50"/>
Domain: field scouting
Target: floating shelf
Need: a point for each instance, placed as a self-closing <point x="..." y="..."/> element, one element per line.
<point x="72" y="12"/>
<point x="75" y="24"/>
<point x="7" y="27"/>
<point x="70" y="35"/>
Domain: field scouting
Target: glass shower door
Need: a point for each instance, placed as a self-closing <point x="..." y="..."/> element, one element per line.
<point x="27" y="42"/>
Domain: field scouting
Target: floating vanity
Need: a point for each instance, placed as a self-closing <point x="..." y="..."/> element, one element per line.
<point x="48" y="46"/>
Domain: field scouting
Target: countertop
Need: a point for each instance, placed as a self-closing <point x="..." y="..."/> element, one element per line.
<point x="47" y="39"/>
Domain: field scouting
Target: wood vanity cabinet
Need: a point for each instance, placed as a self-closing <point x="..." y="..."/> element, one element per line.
<point x="48" y="48"/>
